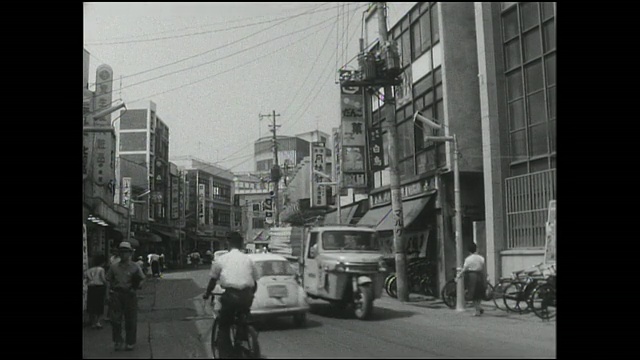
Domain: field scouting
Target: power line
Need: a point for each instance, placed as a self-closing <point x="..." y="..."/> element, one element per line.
<point x="211" y="31"/>
<point x="317" y="81"/>
<point x="224" y="57"/>
<point x="224" y="72"/>
<point x="326" y="41"/>
<point x="194" y="27"/>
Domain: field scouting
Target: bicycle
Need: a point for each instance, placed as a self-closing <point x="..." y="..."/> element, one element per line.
<point x="242" y="335"/>
<point x="449" y="292"/>
<point x="543" y="298"/>
<point x="420" y="276"/>
<point x="517" y="294"/>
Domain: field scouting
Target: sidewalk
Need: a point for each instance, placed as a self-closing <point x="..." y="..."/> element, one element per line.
<point x="97" y="344"/>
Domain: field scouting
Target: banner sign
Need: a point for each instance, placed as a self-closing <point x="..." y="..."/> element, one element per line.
<point x="201" y="203"/>
<point x="103" y="149"/>
<point x="376" y="150"/>
<point x="318" y="163"/>
<point x="353" y="138"/>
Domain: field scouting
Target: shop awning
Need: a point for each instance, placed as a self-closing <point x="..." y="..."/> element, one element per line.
<point x="134" y="242"/>
<point x="346" y="214"/>
<point x="171" y="235"/>
<point x="148" y="237"/>
<point x="382" y="218"/>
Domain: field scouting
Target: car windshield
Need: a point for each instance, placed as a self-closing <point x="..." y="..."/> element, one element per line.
<point x="274" y="268"/>
<point x="350" y="240"/>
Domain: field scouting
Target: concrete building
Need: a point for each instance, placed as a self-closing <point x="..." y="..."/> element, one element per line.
<point x="517" y="72"/>
<point x="250" y="192"/>
<point x="209" y="205"/>
<point x="104" y="221"/>
<point x="438" y="53"/>
<point x="143" y="153"/>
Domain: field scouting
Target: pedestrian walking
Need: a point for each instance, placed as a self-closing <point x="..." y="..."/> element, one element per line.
<point x="124" y="279"/>
<point x="96" y="293"/>
<point x="474" y="277"/>
<point x="154" y="260"/>
<point x="161" y="262"/>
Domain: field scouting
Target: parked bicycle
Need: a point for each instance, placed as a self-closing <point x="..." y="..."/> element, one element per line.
<point x="543" y="298"/>
<point x="243" y="337"/>
<point x="421" y="276"/>
<point x="517" y="294"/>
<point x="449" y="291"/>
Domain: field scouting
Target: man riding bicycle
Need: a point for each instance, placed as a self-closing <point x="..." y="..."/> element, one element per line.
<point x="239" y="277"/>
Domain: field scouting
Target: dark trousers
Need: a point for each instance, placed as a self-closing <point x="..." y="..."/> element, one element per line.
<point x="124" y="304"/>
<point x="155" y="268"/>
<point x="232" y="301"/>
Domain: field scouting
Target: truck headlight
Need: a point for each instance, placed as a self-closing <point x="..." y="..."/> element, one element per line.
<point x="382" y="266"/>
<point x="340" y="268"/>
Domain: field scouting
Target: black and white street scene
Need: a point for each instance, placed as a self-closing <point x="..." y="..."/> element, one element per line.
<point x="319" y="180"/>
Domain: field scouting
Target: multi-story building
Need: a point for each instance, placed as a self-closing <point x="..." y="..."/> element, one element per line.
<point x="143" y="143"/>
<point x="104" y="221"/>
<point x="250" y="193"/>
<point x="517" y="72"/>
<point x="438" y="55"/>
<point x="209" y="205"/>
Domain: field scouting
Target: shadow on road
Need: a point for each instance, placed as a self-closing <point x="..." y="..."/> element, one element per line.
<point x="283" y="324"/>
<point x="379" y="314"/>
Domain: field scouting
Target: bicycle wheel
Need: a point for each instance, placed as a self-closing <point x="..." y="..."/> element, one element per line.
<point x="543" y="301"/>
<point x="392" y="289"/>
<point x="498" y="295"/>
<point x="514" y="299"/>
<point x="245" y="341"/>
<point x="215" y="335"/>
<point x="387" y="281"/>
<point x="448" y="294"/>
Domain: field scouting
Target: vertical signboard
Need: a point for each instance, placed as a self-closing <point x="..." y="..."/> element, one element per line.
<point x="85" y="265"/>
<point x="550" y="246"/>
<point x="182" y="200"/>
<point x="318" y="163"/>
<point x="353" y="138"/>
<point x="175" y="195"/>
<point x="126" y="192"/>
<point x="201" y="204"/>
<point x="376" y="150"/>
<point x="103" y="149"/>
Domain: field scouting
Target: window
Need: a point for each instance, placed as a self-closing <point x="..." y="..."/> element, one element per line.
<point x="434" y="24"/>
<point x="436" y="51"/>
<point x="518" y="145"/>
<point x="405" y="139"/>
<point x="313" y="241"/>
<point x="537" y="111"/>
<point x="551" y="93"/>
<point x="550" y="69"/>
<point x="532" y="46"/>
<point x="547" y="10"/>
<point x="512" y="54"/>
<point x="406" y="48"/>
<point x="133" y="119"/>
<point x="417" y="41"/>
<point x="516" y="115"/>
<point x="425" y="31"/>
<point x="514" y="85"/>
<point x="274" y="268"/>
<point x="538" y="139"/>
<point x="510" y="25"/>
<point x="549" y="36"/>
<point x="533" y="74"/>
<point x="529" y="15"/>
<point x="258" y="223"/>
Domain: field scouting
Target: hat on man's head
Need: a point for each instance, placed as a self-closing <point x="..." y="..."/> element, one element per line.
<point x="125" y="246"/>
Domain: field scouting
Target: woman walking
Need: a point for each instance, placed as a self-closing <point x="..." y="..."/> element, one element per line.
<point x="96" y="282"/>
<point x="474" y="275"/>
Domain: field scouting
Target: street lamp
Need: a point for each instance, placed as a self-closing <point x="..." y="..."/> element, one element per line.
<point x="456" y="192"/>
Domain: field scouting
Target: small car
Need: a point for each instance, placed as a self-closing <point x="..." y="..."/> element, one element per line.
<point x="278" y="294"/>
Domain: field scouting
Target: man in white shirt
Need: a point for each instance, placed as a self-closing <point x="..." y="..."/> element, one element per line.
<point x="238" y="275"/>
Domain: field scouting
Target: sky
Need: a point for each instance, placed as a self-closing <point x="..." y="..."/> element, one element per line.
<point x="213" y="68"/>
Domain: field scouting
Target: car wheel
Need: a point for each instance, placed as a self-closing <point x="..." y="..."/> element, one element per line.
<point x="300" y="320"/>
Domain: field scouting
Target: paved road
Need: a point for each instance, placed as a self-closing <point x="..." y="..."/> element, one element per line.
<point x="174" y="322"/>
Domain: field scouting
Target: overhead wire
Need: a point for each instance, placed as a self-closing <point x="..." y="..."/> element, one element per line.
<point x="304" y="82"/>
<point x="224" y="72"/>
<point x="224" y="57"/>
<point x="311" y="91"/>
<point x="286" y="18"/>
<point x="196" y="27"/>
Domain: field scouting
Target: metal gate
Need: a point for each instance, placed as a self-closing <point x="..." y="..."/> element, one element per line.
<point x="527" y="201"/>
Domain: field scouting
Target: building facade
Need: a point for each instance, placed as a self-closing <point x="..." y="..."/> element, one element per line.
<point x="517" y="72"/>
<point x="209" y="205"/>
<point x="438" y="55"/>
<point x="103" y="220"/>
<point x="143" y="153"/>
<point x="250" y="193"/>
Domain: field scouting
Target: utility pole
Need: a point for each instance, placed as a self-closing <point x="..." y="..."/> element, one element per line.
<point x="275" y="169"/>
<point x="394" y="176"/>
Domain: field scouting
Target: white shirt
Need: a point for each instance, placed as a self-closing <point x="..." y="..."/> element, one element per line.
<point x="234" y="270"/>
<point x="474" y="262"/>
<point x="153" y="257"/>
<point x="95" y="276"/>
